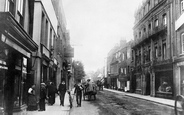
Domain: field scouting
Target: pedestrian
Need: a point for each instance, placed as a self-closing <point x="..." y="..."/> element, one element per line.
<point x="52" y="90"/>
<point x="32" y="101"/>
<point x="42" y="97"/>
<point x="78" y="92"/>
<point x="62" y="91"/>
<point x="89" y="89"/>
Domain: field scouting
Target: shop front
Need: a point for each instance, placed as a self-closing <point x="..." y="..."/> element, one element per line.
<point x="16" y="48"/>
<point x="164" y="81"/>
<point x="179" y="77"/>
<point x="124" y="82"/>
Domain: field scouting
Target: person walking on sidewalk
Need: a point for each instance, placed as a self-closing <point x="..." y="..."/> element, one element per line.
<point x="78" y="92"/>
<point x="52" y="90"/>
<point x="62" y="91"/>
<point x="42" y="97"/>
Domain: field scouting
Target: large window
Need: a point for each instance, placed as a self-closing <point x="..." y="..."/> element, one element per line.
<point x="3" y="70"/>
<point x="164" y="81"/>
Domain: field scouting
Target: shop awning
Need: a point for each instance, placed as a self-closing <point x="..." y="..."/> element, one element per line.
<point x="15" y="33"/>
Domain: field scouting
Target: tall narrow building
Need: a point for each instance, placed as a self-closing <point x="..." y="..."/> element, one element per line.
<point x="16" y="49"/>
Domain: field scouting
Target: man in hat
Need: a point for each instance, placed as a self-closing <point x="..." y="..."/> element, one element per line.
<point x="42" y="97"/>
<point x="62" y="91"/>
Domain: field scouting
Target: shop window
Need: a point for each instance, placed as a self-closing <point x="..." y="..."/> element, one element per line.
<point x="164" y="82"/>
<point x="3" y="70"/>
<point x="17" y="89"/>
<point x="24" y="77"/>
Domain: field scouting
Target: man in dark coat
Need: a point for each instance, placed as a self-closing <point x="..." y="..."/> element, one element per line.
<point x="42" y="97"/>
<point x="52" y="90"/>
<point x="78" y="92"/>
<point x="62" y="91"/>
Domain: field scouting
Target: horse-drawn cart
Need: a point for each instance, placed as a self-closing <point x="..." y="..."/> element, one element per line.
<point x="89" y="91"/>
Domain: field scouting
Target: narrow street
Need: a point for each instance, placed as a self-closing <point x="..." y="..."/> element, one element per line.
<point x="110" y="103"/>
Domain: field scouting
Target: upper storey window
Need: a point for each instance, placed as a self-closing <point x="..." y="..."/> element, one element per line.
<point x="149" y="5"/>
<point x="10" y="6"/>
<point x="164" y="19"/>
<point x="20" y="6"/>
<point x="182" y="43"/>
<point x="156" y="2"/>
<point x="181" y="6"/>
<point x="156" y="23"/>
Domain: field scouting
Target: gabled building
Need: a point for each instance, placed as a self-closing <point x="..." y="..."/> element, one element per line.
<point x="124" y="66"/>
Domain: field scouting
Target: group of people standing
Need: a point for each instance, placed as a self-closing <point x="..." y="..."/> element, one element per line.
<point x="47" y="92"/>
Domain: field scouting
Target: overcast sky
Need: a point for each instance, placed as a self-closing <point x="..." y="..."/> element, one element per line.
<point x="95" y="26"/>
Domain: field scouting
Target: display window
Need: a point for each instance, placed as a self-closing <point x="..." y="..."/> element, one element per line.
<point x="164" y="82"/>
<point x="3" y="71"/>
<point x="20" y="91"/>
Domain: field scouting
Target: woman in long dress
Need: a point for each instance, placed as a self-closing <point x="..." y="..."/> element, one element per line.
<point x="32" y="102"/>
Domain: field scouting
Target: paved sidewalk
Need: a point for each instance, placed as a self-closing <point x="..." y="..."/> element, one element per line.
<point x="167" y="102"/>
<point x="55" y="109"/>
<point x="86" y="108"/>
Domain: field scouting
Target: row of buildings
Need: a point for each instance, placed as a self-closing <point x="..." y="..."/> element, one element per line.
<point x="34" y="48"/>
<point x="153" y="63"/>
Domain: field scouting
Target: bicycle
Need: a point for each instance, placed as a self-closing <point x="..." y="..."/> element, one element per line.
<point x="179" y="105"/>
